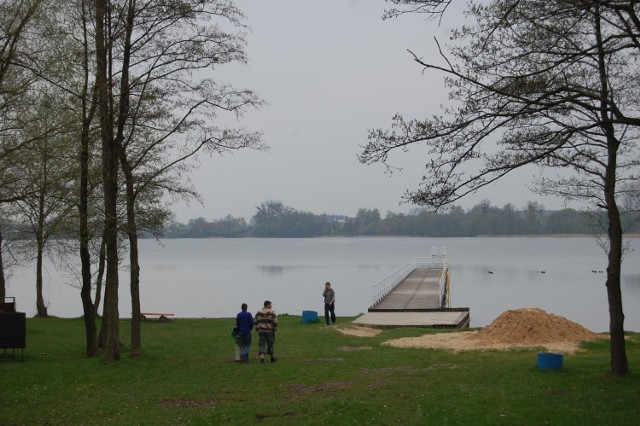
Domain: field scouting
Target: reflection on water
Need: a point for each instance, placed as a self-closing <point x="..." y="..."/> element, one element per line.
<point x="631" y="286"/>
<point x="212" y="277"/>
<point x="271" y="270"/>
<point x="374" y="267"/>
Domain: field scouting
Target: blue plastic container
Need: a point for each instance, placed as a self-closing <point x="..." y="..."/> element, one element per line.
<point x="549" y="361"/>
<point x="309" y="316"/>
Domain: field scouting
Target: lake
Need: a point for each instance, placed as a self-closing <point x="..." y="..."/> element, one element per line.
<point x="211" y="277"/>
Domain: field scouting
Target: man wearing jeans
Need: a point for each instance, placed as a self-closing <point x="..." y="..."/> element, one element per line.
<point x="244" y="323"/>
<point x="329" y="303"/>
<point x="266" y="323"/>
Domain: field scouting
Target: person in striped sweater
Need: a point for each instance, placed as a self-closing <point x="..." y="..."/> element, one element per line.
<point x="266" y="322"/>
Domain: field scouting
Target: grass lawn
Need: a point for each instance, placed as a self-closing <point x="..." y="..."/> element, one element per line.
<point x="187" y="375"/>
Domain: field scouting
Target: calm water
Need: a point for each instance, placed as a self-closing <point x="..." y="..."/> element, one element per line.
<point x="212" y="277"/>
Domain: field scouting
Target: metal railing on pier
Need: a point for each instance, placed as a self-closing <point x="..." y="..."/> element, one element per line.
<point x="445" y="286"/>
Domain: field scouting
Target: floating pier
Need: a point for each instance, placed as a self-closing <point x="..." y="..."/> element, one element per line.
<point x="416" y="295"/>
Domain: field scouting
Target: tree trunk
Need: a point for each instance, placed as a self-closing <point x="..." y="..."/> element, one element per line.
<point x="3" y="288"/>
<point x="100" y="276"/>
<point x="619" y="362"/>
<point x="123" y="113"/>
<point x="85" y="256"/>
<point x="112" y="315"/>
<point x="91" y="337"/>
<point x="110" y="180"/>
<point x="41" y="307"/>
<point x="87" y="305"/>
<point x="132" y="233"/>
<point x="102" y="337"/>
<point x="136" y="315"/>
<point x="88" y="111"/>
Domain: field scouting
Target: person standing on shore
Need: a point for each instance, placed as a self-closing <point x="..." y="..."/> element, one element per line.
<point x="266" y="323"/>
<point x="244" y="323"/>
<point x="329" y="303"/>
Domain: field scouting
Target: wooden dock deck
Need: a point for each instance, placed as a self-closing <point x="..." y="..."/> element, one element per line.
<point x="419" y="290"/>
<point x="416" y="301"/>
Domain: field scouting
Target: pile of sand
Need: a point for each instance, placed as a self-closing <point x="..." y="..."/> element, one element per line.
<point x="526" y="327"/>
<point x="532" y="326"/>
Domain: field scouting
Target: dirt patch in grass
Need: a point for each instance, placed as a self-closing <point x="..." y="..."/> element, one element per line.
<point x="389" y="370"/>
<point x="187" y="403"/>
<point x="263" y="416"/>
<point x="520" y="328"/>
<point x="444" y="366"/>
<point x="355" y="348"/>
<point x="318" y="388"/>
<point x="359" y="331"/>
<point x="323" y="360"/>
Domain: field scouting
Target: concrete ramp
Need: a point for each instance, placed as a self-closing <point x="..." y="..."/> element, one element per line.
<point x="452" y="318"/>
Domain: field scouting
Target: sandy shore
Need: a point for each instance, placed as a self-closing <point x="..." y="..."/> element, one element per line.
<point x="521" y="328"/>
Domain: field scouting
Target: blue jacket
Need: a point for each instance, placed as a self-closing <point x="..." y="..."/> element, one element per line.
<point x="244" y="322"/>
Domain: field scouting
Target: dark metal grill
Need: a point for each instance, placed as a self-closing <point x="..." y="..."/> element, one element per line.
<point x="13" y="327"/>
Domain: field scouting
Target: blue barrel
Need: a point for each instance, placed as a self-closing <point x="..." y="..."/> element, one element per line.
<point x="549" y="361"/>
<point x="309" y="316"/>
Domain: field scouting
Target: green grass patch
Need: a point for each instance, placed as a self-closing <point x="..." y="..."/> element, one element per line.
<point x="187" y="375"/>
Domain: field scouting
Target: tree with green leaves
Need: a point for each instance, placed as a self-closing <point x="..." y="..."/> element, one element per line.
<point x="160" y="107"/>
<point x="107" y="112"/>
<point x="16" y="33"/>
<point x="47" y="208"/>
<point x="534" y="83"/>
<point x="272" y="219"/>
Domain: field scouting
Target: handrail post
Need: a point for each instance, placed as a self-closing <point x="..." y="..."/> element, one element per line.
<point x="445" y="286"/>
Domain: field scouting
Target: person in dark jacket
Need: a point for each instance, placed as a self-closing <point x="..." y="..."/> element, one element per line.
<point x="329" y="303"/>
<point x="244" y="322"/>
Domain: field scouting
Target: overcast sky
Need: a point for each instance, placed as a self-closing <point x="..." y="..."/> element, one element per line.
<point x="329" y="71"/>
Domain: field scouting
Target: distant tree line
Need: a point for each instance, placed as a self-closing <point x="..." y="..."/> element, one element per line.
<point x="273" y="219"/>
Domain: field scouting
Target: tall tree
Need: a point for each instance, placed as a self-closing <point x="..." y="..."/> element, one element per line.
<point x="272" y="219"/>
<point x="543" y="83"/>
<point x="16" y="18"/>
<point x="533" y="217"/>
<point x="48" y="164"/>
<point x="169" y="106"/>
<point x="86" y="97"/>
<point x="104" y="86"/>
<point x="68" y="64"/>
<point x="160" y="107"/>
